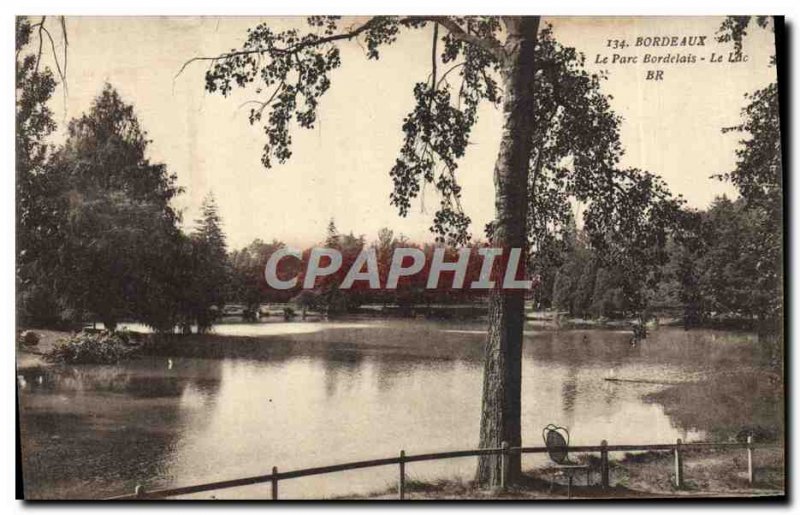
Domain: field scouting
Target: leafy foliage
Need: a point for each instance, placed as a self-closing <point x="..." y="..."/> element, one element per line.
<point x="93" y="348"/>
<point x="37" y="219"/>
<point x="721" y="270"/>
<point x="577" y="149"/>
<point x="296" y="68"/>
<point x="589" y="284"/>
<point x="758" y="176"/>
<point x="576" y="136"/>
<point x="208" y="269"/>
<point x="247" y="275"/>
<point x="436" y="132"/>
<point x="734" y="29"/>
<point x="106" y="149"/>
<point x="759" y="172"/>
<point x="109" y="222"/>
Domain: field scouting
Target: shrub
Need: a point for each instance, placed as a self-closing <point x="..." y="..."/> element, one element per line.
<point x="99" y="348"/>
<point x="29" y="338"/>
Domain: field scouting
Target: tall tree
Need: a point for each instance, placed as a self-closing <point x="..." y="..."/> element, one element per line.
<point x="722" y="267"/>
<point x="758" y="174"/>
<point x="473" y="60"/>
<point x="209" y="264"/>
<point x="208" y="228"/>
<point x="118" y="223"/>
<point x="36" y="220"/>
<point x="248" y="285"/>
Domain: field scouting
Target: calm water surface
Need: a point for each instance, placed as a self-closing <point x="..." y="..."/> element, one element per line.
<point x="324" y="393"/>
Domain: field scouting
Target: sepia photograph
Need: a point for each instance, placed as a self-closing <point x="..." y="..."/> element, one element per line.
<point x="400" y="257"/>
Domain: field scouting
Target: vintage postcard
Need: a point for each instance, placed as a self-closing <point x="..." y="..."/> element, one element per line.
<point x="400" y="257"/>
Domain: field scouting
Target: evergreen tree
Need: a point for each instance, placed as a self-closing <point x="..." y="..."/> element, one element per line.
<point x="209" y="267"/>
<point x="332" y="235"/>
<point x="208" y="228"/>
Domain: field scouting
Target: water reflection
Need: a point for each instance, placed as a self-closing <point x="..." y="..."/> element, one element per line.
<point x="336" y="393"/>
<point x="92" y="431"/>
<point x="569" y="391"/>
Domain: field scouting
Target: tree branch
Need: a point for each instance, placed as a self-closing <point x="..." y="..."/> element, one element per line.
<point x="489" y="45"/>
<point x="66" y="41"/>
<point x="291" y="50"/>
<point x="267" y="102"/>
<point x="445" y="74"/>
<point x="55" y="55"/>
<point x="41" y="41"/>
<point x="434" y="57"/>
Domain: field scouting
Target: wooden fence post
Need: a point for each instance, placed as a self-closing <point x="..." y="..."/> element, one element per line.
<point x="274" y="483"/>
<point x="604" y="464"/>
<point x="750" y="475"/>
<point x="401" y="485"/>
<point x="678" y="465"/>
<point x="505" y="463"/>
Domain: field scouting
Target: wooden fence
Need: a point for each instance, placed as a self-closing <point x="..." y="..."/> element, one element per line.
<point x="402" y="459"/>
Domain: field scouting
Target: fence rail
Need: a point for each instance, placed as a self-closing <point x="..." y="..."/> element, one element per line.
<point x="402" y="459"/>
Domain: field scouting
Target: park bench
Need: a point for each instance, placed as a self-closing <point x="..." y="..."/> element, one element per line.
<point x="556" y="440"/>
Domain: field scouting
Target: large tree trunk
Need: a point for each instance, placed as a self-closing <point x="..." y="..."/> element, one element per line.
<point x="502" y="376"/>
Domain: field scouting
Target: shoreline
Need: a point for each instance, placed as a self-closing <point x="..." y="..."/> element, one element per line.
<point x="710" y="475"/>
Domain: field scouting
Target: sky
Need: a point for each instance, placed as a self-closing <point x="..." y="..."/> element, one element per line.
<point x="340" y="169"/>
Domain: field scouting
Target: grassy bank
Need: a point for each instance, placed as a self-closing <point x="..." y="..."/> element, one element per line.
<point x="708" y="473"/>
<point x="728" y="408"/>
<point x="193" y="345"/>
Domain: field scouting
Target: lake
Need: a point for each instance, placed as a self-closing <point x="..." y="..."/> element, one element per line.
<point x="320" y="393"/>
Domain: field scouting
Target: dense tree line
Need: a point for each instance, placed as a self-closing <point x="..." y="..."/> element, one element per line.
<point x="716" y="268"/>
<point x="97" y="237"/>
<point x="326" y="296"/>
<point x="721" y="263"/>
